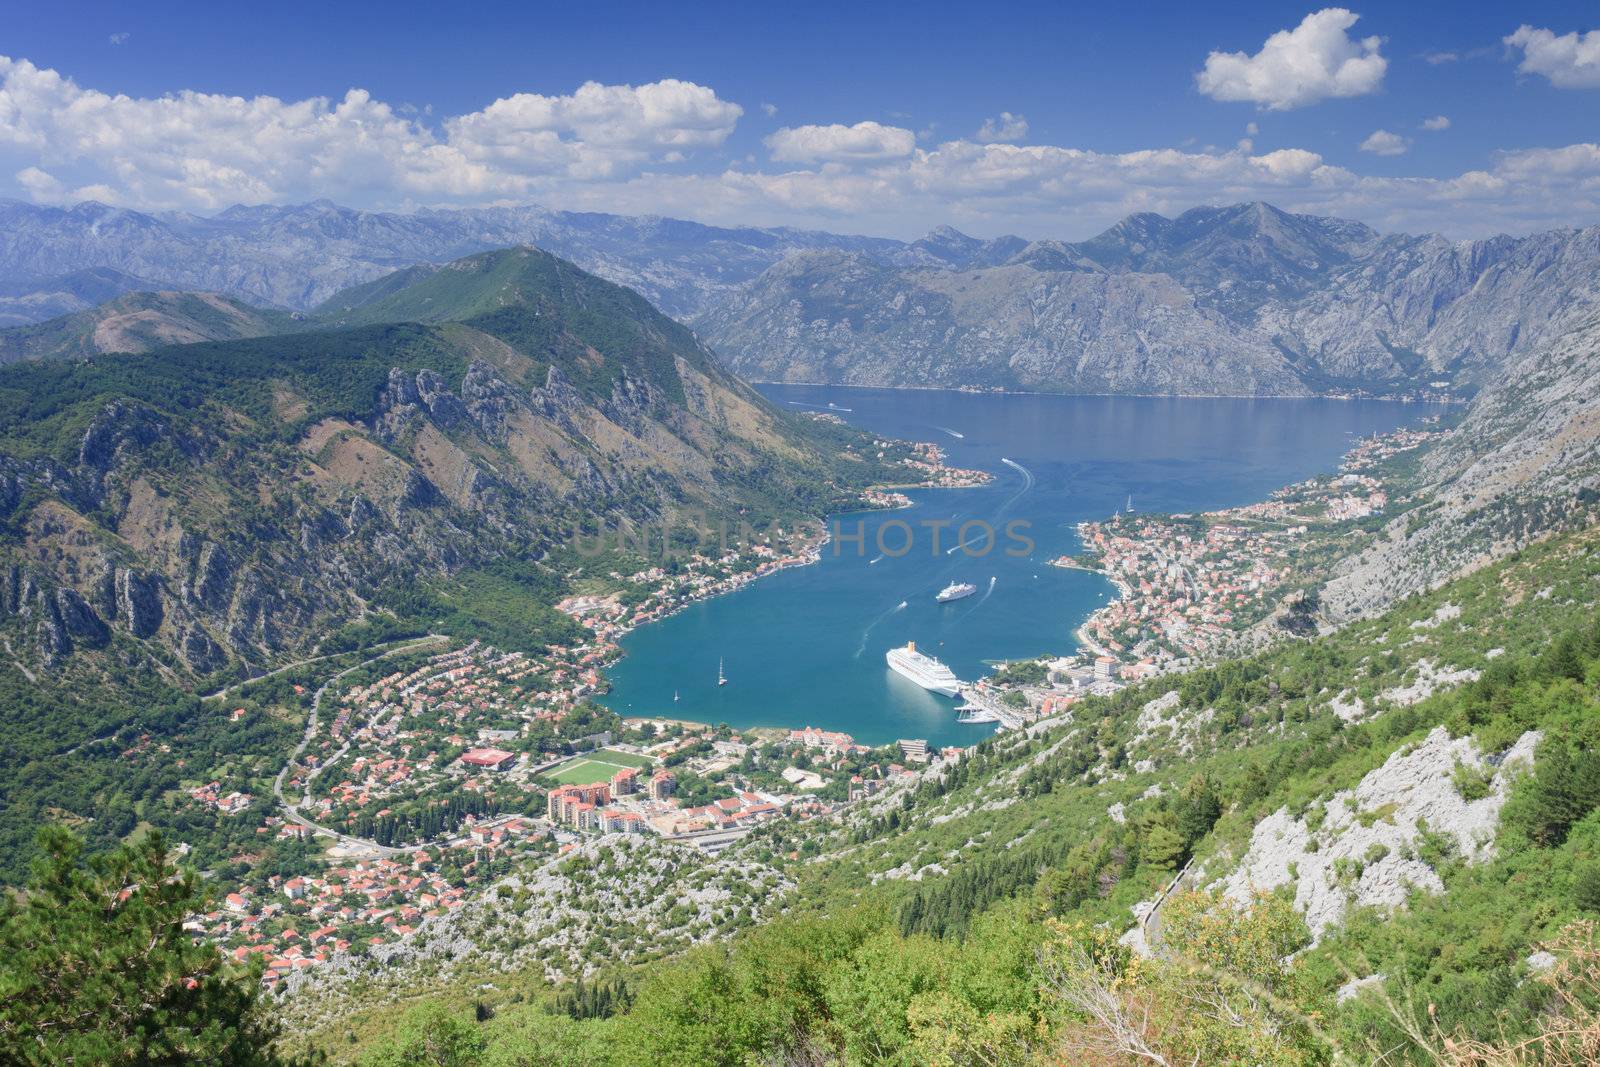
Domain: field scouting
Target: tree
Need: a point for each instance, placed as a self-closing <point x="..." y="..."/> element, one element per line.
<point x="1198" y="810"/>
<point x="1564" y="787"/>
<point x="692" y="1015"/>
<point x="868" y="997"/>
<point x="95" y="967"/>
<point x="529" y="1036"/>
<point x="430" y="1036"/>
<point x="1222" y="989"/>
<point x="1161" y="848"/>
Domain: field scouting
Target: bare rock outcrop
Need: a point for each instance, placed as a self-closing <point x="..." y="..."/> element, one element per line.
<point x="1365" y="846"/>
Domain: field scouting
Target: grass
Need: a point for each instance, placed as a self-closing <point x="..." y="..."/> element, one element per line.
<point x="595" y="767"/>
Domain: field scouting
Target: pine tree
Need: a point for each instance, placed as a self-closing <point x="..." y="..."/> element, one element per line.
<point x="95" y="967"/>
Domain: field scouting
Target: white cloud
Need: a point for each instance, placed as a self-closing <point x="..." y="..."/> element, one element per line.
<point x="1571" y="61"/>
<point x="1252" y="128"/>
<point x="1041" y="190"/>
<point x="119" y="38"/>
<point x="1436" y="59"/>
<point x="204" y="151"/>
<point x="595" y="131"/>
<point x="769" y="109"/>
<point x="1384" y="143"/>
<point x="1005" y="127"/>
<point x="1438" y="122"/>
<point x="40" y="184"/>
<point x="618" y="148"/>
<point x="863" y="142"/>
<point x="1316" y="60"/>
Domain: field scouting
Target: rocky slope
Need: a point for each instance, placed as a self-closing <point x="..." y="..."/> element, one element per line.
<point x="1363" y="851"/>
<point x="1246" y="299"/>
<point x="232" y="503"/>
<point x="139" y="322"/>
<point x="1524" y="462"/>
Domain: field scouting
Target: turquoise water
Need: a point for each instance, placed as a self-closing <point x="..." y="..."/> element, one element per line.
<point x="805" y="646"/>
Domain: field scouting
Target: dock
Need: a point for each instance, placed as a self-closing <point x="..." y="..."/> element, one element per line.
<point x="979" y="700"/>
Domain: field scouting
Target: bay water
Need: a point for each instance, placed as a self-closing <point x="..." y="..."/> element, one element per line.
<point x="806" y="646"/>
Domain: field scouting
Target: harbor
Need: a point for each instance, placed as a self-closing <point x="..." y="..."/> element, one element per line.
<point x="807" y="644"/>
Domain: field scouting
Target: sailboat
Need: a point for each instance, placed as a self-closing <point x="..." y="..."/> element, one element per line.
<point x="722" y="679"/>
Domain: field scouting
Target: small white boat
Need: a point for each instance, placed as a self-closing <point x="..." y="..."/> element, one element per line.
<point x="722" y="679"/>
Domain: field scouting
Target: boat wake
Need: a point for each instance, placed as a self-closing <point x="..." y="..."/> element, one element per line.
<point x="953" y="433"/>
<point x="863" y="647"/>
<point x="1027" y="475"/>
<point x="835" y="407"/>
<point x="986" y="594"/>
<point x="980" y="545"/>
<point x="873" y="560"/>
<point x="1027" y="482"/>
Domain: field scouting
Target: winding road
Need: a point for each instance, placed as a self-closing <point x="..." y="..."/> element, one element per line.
<point x="291" y="809"/>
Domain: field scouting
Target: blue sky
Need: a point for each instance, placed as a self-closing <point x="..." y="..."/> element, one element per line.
<point x="1035" y="118"/>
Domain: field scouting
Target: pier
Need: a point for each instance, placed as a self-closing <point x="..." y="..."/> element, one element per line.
<point x="982" y="700"/>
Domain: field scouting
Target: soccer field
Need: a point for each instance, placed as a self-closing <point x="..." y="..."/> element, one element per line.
<point x="595" y="767"/>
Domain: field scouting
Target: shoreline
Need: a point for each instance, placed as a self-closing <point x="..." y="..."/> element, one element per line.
<point x="1080" y="633"/>
<point x="807" y="553"/>
<point x="1238" y="562"/>
<point x="1089" y="646"/>
<point x="975" y="391"/>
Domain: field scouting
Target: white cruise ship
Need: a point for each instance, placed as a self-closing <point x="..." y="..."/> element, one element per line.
<point x="923" y="669"/>
<point x="955" y="591"/>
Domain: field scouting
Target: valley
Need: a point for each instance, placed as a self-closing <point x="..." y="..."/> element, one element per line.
<point x="482" y="642"/>
<point x="832" y="536"/>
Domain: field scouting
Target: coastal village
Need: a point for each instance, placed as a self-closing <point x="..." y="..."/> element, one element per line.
<point x="430" y="781"/>
<point x="1190" y="584"/>
<point x="420" y="783"/>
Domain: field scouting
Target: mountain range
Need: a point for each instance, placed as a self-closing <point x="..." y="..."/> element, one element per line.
<point x="1245" y="299"/>
<point x="324" y="440"/>
<point x="296" y="257"/>
<point x="233" y="502"/>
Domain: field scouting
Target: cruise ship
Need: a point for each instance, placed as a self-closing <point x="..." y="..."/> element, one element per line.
<point x="955" y="591"/>
<point x="923" y="669"/>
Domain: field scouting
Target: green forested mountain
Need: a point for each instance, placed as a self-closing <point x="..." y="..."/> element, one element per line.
<point x="175" y="495"/>
<point x="177" y="518"/>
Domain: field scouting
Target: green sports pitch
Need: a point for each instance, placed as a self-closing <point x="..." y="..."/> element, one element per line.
<point x="594" y="767"/>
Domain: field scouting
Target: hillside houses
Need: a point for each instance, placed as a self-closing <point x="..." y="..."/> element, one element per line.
<point x="231" y="803"/>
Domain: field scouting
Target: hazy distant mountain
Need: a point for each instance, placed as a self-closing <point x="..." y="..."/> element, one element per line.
<point x="297" y="256"/>
<point x="139" y="322"/>
<point x="1245" y="299"/>
<point x="27" y="300"/>
<point x="1242" y="299"/>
